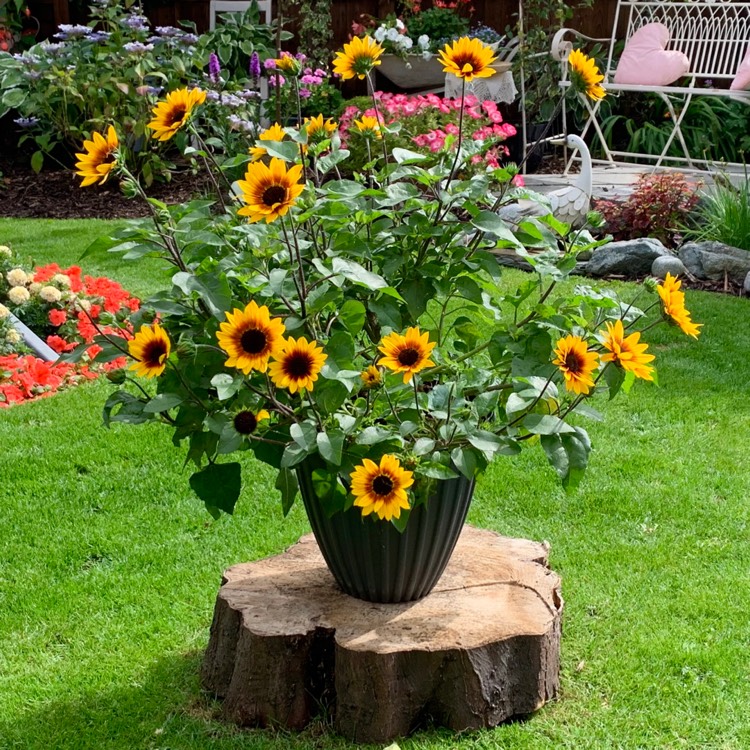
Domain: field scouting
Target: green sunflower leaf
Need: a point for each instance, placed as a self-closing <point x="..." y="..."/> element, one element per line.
<point x="218" y="485"/>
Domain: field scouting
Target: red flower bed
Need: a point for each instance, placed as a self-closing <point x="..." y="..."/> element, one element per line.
<point x="87" y="306"/>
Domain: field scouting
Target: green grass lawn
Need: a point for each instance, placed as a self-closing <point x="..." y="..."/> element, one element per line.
<point x="109" y="566"/>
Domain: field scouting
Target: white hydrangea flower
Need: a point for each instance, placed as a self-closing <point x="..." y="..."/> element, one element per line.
<point x="427" y="55"/>
<point x="392" y="35"/>
<point x="6" y="251"/>
<point x="84" y="304"/>
<point x="61" y="279"/>
<point x="406" y="42"/>
<point x="4" y="312"/>
<point x="18" y="295"/>
<point x="379" y="34"/>
<point x="17" y="277"/>
<point x="35" y="287"/>
<point x="423" y="41"/>
<point x="13" y="336"/>
<point x="50" y="294"/>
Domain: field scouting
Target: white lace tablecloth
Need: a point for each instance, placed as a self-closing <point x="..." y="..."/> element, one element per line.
<point x="499" y="88"/>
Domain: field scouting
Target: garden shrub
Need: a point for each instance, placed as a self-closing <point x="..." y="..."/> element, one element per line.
<point x="112" y="70"/>
<point x="724" y="215"/>
<point x="658" y="207"/>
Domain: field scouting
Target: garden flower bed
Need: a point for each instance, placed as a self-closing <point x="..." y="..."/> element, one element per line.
<point x="64" y="308"/>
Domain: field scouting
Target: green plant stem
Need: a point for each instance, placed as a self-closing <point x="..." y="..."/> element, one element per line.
<point x="170" y="244"/>
<point x="381" y="123"/>
<point x="299" y="281"/>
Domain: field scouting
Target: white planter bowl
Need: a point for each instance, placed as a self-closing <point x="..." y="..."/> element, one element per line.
<point x="420" y="73"/>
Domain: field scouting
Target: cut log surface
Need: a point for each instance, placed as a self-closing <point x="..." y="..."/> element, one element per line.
<point x="483" y="647"/>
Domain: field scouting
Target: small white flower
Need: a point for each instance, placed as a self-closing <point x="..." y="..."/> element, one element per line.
<point x="392" y="35"/>
<point x="61" y="279"/>
<point x="379" y="34"/>
<point x="84" y="304"/>
<point x="407" y="43"/>
<point x="4" y="312"/>
<point x="6" y="251"/>
<point x="50" y="294"/>
<point x="400" y="24"/>
<point x="423" y="41"/>
<point x="12" y="336"/>
<point x="427" y="55"/>
<point x="17" y="277"/>
<point x="35" y="287"/>
<point x="18" y="295"/>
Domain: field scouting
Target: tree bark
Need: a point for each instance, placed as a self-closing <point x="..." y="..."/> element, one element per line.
<point x="483" y="647"/>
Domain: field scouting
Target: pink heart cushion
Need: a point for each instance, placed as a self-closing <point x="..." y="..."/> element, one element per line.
<point x="646" y="62"/>
<point x="742" y="79"/>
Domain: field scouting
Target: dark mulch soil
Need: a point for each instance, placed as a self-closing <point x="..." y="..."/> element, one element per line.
<point x="58" y="195"/>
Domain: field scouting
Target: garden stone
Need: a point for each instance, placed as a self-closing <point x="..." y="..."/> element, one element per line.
<point x="626" y="258"/>
<point x="665" y="264"/>
<point x="715" y="261"/>
<point x="286" y="643"/>
<point x="746" y="284"/>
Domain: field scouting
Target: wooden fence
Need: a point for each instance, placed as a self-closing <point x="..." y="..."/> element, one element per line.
<point x="596" y="21"/>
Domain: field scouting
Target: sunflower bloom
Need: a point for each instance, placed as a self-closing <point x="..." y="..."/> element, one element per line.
<point x="626" y="352"/>
<point x="269" y="191"/>
<point x="368" y="126"/>
<point x="246" y="422"/>
<point x="289" y="64"/>
<point x="371" y="377"/>
<point x="250" y="337"/>
<point x="358" y="58"/>
<point x="296" y="365"/>
<point x="99" y="159"/>
<point x="407" y="354"/>
<point x="468" y="59"/>
<point x="585" y="76"/>
<point x="381" y="489"/>
<point x="151" y="348"/>
<point x="576" y="362"/>
<point x="174" y="113"/>
<point x="318" y="129"/>
<point x="673" y="306"/>
<point x="274" y="133"/>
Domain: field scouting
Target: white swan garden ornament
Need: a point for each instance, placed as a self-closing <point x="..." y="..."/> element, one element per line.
<point x="569" y="204"/>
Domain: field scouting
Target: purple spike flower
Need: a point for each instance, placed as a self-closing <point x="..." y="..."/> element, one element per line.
<point x="214" y="68"/>
<point x="255" y="66"/>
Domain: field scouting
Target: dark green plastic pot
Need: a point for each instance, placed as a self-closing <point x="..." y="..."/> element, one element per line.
<point x="372" y="560"/>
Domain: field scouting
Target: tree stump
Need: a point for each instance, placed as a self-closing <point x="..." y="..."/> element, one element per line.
<point x="483" y="647"/>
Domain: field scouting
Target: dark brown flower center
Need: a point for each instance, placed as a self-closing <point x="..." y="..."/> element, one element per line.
<point x="298" y="365"/>
<point x="408" y="357"/>
<point x="154" y="353"/>
<point x="245" y="422"/>
<point x="382" y="485"/>
<point x="274" y="194"/>
<point x="470" y="60"/>
<point x="574" y="362"/>
<point x="177" y="115"/>
<point x="253" y="341"/>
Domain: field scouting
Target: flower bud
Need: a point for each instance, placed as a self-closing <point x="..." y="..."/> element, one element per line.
<point x="118" y="377"/>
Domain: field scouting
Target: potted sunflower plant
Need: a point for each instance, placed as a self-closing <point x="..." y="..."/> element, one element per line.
<point x="357" y="335"/>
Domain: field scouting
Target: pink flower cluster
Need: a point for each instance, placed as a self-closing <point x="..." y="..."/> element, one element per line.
<point x="309" y="76"/>
<point x="485" y="123"/>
